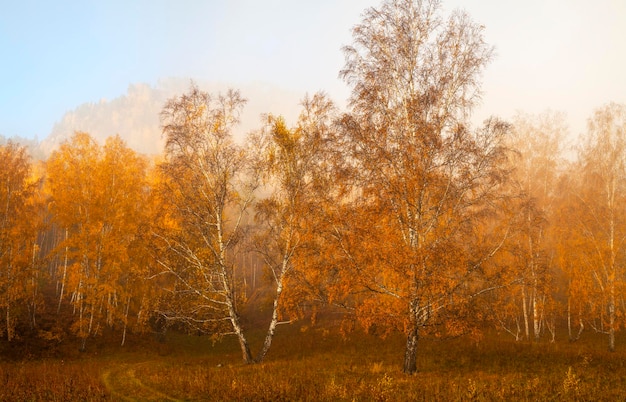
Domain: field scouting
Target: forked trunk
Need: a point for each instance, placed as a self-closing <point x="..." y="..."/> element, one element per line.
<point x="410" y="353"/>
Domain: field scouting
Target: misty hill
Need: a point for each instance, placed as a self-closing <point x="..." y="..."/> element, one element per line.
<point x="32" y="145"/>
<point x="135" y="115"/>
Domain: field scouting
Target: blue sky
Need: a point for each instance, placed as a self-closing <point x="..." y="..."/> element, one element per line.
<point x="566" y="55"/>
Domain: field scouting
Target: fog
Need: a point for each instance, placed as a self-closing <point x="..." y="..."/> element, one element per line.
<point x="135" y="114"/>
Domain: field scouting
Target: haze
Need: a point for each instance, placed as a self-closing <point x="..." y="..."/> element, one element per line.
<point x="65" y="62"/>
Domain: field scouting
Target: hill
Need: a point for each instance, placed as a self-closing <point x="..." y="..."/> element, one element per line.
<point x="135" y="114"/>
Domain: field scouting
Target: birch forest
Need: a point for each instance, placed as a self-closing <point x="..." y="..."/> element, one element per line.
<point x="396" y="214"/>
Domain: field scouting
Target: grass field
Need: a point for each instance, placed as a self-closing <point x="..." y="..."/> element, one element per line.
<point x="318" y="364"/>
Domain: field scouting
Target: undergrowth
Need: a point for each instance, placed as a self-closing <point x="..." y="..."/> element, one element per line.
<point x="319" y="364"/>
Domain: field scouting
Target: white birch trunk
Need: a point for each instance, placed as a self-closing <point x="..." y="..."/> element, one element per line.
<point x="525" y="310"/>
<point x="8" y="322"/>
<point x="536" y="316"/>
<point x="125" y="321"/>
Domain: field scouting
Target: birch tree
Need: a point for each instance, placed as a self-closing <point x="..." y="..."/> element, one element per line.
<point x="569" y="244"/>
<point x="96" y="196"/>
<point x="601" y="200"/>
<point x="71" y="188"/>
<point x="537" y="141"/>
<point x="205" y="181"/>
<point x="123" y="179"/>
<point x="294" y="163"/>
<point x="427" y="182"/>
<point x="19" y="227"/>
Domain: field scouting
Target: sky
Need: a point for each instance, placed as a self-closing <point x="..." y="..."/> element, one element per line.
<point x="565" y="55"/>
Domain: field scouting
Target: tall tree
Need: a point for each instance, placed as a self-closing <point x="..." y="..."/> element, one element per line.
<point x="19" y="227"/>
<point x="569" y="244"/>
<point x="123" y="179"/>
<point x="97" y="194"/>
<point x="537" y="141"/>
<point x="427" y="183"/>
<point x="601" y="200"/>
<point x="71" y="185"/>
<point x="205" y="182"/>
<point x="294" y="164"/>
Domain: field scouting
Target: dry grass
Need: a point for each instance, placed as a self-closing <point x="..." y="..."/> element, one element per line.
<point x="362" y="367"/>
<point x="321" y="365"/>
<point x="51" y="381"/>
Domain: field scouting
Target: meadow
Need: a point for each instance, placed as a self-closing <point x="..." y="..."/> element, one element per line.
<point x="317" y="363"/>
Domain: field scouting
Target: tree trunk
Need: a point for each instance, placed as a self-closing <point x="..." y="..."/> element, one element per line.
<point x="245" y="349"/>
<point x="410" y="353"/>
<point x="536" y="315"/>
<point x="243" y="342"/>
<point x="612" y="318"/>
<point x="612" y="339"/>
<point x="125" y="320"/>
<point x="273" y="323"/>
<point x="525" y="310"/>
<point x="581" y="327"/>
<point x="34" y="288"/>
<point x="569" y="319"/>
<point x="8" y="320"/>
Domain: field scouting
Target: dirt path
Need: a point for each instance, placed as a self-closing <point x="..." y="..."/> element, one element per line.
<point x="123" y="384"/>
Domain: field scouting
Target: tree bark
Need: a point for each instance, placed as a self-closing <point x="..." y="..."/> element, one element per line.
<point x="125" y="320"/>
<point x="612" y="318"/>
<point x="8" y="320"/>
<point x="245" y="348"/>
<point x="536" y="316"/>
<point x="410" y="353"/>
<point x="569" y="318"/>
<point x="525" y="310"/>
<point x="243" y="342"/>
<point x="273" y="323"/>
